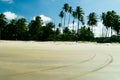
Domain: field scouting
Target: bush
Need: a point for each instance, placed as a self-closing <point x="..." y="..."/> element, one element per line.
<point x="115" y="38"/>
<point x="108" y="39"/>
<point x="85" y="34"/>
<point x="103" y="40"/>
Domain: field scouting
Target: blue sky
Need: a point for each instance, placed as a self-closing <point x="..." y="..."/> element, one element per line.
<point x="51" y="8"/>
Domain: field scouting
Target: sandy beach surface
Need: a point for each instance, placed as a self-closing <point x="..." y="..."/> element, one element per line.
<point x="21" y="60"/>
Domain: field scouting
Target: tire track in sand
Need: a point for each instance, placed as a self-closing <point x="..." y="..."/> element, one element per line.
<point x="105" y="64"/>
<point x="54" y="68"/>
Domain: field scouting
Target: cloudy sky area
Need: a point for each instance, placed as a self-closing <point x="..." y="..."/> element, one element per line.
<point x="49" y="9"/>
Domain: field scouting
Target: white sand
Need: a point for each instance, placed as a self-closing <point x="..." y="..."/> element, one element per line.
<point x="59" y="61"/>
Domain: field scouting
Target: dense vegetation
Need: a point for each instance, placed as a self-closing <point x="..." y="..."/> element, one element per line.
<point x="19" y="29"/>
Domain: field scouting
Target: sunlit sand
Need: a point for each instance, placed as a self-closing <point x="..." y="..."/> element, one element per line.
<point x="59" y="61"/>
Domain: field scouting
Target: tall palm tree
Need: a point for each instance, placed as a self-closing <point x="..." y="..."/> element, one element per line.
<point x="65" y="8"/>
<point x="74" y="16"/>
<point x="116" y="26"/>
<point x="103" y="18"/>
<point x="35" y="27"/>
<point x="110" y="20"/>
<point x="10" y="31"/>
<point x="61" y="15"/>
<point x="3" y="22"/>
<point x="79" y="13"/>
<point x="114" y="17"/>
<point x="70" y="12"/>
<point x="59" y="25"/>
<point x="92" y="19"/>
<point x="21" y="28"/>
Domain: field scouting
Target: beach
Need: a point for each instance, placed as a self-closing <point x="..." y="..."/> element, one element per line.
<point x="30" y="60"/>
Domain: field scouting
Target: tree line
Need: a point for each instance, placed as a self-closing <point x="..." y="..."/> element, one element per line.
<point x="110" y="19"/>
<point x="19" y="29"/>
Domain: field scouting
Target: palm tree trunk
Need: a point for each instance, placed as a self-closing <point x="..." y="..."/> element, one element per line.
<point x="69" y="20"/>
<point x="107" y="32"/>
<point x="64" y="19"/>
<point x="78" y="25"/>
<point x="102" y="33"/>
<point x="61" y="22"/>
<point x="73" y="24"/>
<point x="111" y="31"/>
<point x="93" y="29"/>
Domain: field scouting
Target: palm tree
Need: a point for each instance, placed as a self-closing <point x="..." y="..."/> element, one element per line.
<point x="21" y="28"/>
<point x="59" y="25"/>
<point x="3" y="23"/>
<point x="35" y="27"/>
<point x="92" y="19"/>
<point x="10" y="30"/>
<point x="109" y="20"/>
<point x="79" y="14"/>
<point x="103" y="18"/>
<point x="114" y="17"/>
<point x="116" y="26"/>
<point x="61" y="15"/>
<point x="65" y="8"/>
<point x="70" y="12"/>
<point x="74" y="14"/>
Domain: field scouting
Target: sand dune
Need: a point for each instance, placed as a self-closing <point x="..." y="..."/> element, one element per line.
<point x="59" y="61"/>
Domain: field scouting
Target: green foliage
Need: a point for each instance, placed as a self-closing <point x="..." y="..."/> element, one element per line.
<point x="3" y="23"/>
<point x="17" y="29"/>
<point x="79" y="15"/>
<point x="10" y="31"/>
<point x="47" y="32"/>
<point x="21" y="28"/>
<point x="66" y="36"/>
<point x="61" y="15"/>
<point x="103" y="40"/>
<point x="111" y="20"/>
<point x="35" y="28"/>
<point x="111" y="39"/>
<point x="66" y="7"/>
<point x="57" y="35"/>
<point x="84" y="34"/>
<point x="116" y="24"/>
<point x="92" y="19"/>
<point x="115" y="38"/>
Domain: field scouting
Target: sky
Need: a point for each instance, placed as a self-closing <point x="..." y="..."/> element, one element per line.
<point x="49" y="10"/>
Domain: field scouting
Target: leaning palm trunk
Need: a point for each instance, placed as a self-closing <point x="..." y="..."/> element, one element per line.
<point x="93" y="29"/>
<point x="107" y="32"/>
<point x="102" y="32"/>
<point x="78" y="26"/>
<point x="73" y="25"/>
<point x="61" y="22"/>
<point x="111" y="31"/>
<point x="69" y="20"/>
<point x="64" y="20"/>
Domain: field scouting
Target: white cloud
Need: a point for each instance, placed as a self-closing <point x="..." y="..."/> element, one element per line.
<point x="44" y="18"/>
<point x="8" y="1"/>
<point x="71" y="26"/>
<point x="100" y="30"/>
<point x="9" y="15"/>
